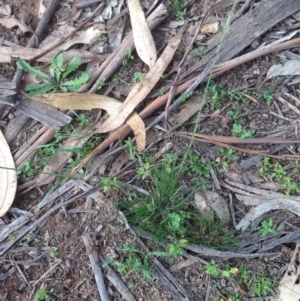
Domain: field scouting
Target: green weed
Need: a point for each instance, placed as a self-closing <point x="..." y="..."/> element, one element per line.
<point x="212" y="269"/>
<point x="269" y="96"/>
<point x="180" y="15"/>
<point x="278" y="174"/>
<point x="41" y="294"/>
<point x="199" y="53"/>
<point x="54" y="254"/>
<point x="58" y="81"/>
<point x="140" y="77"/>
<point x="242" y="132"/>
<point x="228" y="154"/>
<point x="108" y="183"/>
<point x="267" y="227"/>
<point x="261" y="286"/>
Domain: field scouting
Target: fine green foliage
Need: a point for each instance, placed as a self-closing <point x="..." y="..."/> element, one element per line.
<point x="268" y="96"/>
<point x="261" y="286"/>
<point x="184" y="97"/>
<point x="137" y="261"/>
<point x="267" y="227"/>
<point x="53" y="254"/>
<point x="242" y="132"/>
<point x="199" y="53"/>
<point x="228" y="154"/>
<point x="176" y="5"/>
<point x="180" y="15"/>
<point x="212" y="269"/>
<point x="41" y="294"/>
<point x="279" y="174"/>
<point x="59" y="80"/>
<point x="140" y="77"/>
<point x="169" y="212"/>
<point x="108" y="183"/>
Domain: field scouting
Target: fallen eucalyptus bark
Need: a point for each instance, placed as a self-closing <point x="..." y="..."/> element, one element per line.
<point x="94" y="259"/>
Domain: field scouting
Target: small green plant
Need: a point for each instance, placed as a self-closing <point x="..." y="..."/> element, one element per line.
<point x="180" y="15"/>
<point x="261" y="286"/>
<point x="53" y="254"/>
<point x="244" y="275"/>
<point x="108" y="183"/>
<point x="137" y="261"/>
<point x="129" y="54"/>
<point x="101" y="83"/>
<point x="27" y="169"/>
<point x="278" y="174"/>
<point x="144" y="170"/>
<point x="140" y="77"/>
<point x="41" y="294"/>
<point x="267" y="227"/>
<point x="100" y="38"/>
<point x="228" y="154"/>
<point x="11" y="238"/>
<point x="242" y="132"/>
<point x="58" y="81"/>
<point x="176" y="4"/>
<point x="268" y="96"/>
<point x="199" y="53"/>
<point x="184" y="97"/>
<point x="161" y="91"/>
<point x="212" y="269"/>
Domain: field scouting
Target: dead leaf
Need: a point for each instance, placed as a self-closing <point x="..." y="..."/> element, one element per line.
<point x="142" y="89"/>
<point x="142" y="36"/>
<point x="209" y="201"/>
<point x="8" y="176"/>
<point x="12" y="22"/>
<point x="291" y="67"/>
<point x="5" y="11"/>
<point x="77" y="101"/>
<point x="289" y="289"/>
<point x="7" y="54"/>
<point x="210" y="28"/>
<point x="82" y="37"/>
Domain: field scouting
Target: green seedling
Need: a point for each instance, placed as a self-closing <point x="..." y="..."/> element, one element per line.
<point x="242" y="132"/>
<point x="261" y="286"/>
<point x="58" y="81"/>
<point x="269" y="96"/>
<point x="228" y="154"/>
<point x="161" y="91"/>
<point x="54" y="254"/>
<point x="278" y="174"/>
<point x="212" y="269"/>
<point x="137" y="261"/>
<point x="100" y="38"/>
<point x="199" y="53"/>
<point x="41" y="294"/>
<point x="184" y="97"/>
<point x="140" y="77"/>
<point x="267" y="227"/>
<point x="244" y="276"/>
<point x="108" y="183"/>
<point x="180" y="15"/>
<point x="101" y="83"/>
<point x="129" y="54"/>
<point x="11" y="238"/>
<point x="176" y="4"/>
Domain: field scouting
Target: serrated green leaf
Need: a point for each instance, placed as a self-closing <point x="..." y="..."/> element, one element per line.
<point x="35" y="86"/>
<point x="59" y="61"/>
<point x="28" y="68"/>
<point x="42" y="90"/>
<point x="73" y="65"/>
<point x="77" y="82"/>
